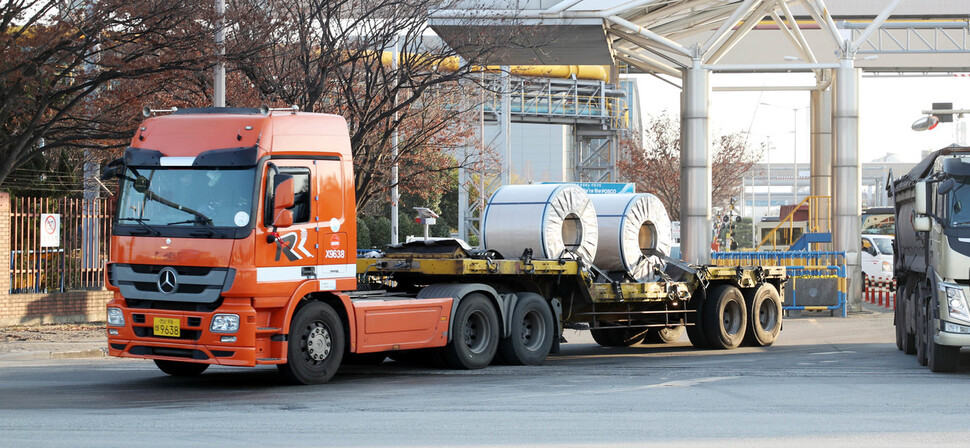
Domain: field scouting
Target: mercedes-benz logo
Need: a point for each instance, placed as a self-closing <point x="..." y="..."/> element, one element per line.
<point x="168" y="280"/>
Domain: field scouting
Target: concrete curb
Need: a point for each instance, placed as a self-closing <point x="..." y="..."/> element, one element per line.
<point x="93" y="353"/>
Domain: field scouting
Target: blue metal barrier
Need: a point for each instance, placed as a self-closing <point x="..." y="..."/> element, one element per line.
<point x="800" y="265"/>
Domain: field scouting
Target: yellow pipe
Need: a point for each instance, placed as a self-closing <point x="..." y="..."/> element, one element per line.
<point x="589" y="72"/>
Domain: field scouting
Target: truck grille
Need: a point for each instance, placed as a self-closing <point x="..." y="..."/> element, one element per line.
<point x="193" y="284"/>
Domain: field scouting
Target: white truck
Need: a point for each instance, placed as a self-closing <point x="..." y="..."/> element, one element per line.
<point x="932" y="260"/>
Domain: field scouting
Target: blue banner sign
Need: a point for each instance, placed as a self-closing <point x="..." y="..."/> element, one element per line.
<point x="602" y="187"/>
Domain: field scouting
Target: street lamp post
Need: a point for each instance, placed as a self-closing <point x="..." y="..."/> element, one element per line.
<point x="794" y="131"/>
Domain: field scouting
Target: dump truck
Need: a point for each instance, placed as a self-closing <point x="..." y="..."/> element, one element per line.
<point x="234" y="243"/>
<point x="932" y="258"/>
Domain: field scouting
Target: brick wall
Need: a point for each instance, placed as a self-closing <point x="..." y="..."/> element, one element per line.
<point x="63" y="307"/>
<point x="29" y="309"/>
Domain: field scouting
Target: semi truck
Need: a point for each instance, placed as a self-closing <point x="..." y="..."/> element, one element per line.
<point x="932" y="258"/>
<point x="234" y="243"/>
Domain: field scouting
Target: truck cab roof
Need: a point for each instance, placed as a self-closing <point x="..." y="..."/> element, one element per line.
<point x="188" y="133"/>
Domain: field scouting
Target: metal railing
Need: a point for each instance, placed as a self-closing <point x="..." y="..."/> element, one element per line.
<point x="534" y="100"/>
<point x="787" y="225"/>
<point x="77" y="262"/>
<point x="811" y="275"/>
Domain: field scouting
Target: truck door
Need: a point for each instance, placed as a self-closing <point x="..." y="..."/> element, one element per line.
<point x="335" y="245"/>
<point x="288" y="256"/>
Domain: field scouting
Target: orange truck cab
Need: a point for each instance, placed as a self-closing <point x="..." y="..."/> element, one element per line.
<point x="235" y="244"/>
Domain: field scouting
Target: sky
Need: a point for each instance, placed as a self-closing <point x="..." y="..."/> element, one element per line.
<point x="888" y="107"/>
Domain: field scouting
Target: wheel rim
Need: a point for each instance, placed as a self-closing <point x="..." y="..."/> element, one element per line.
<point x="317" y="343"/>
<point x="768" y="315"/>
<point x="732" y="318"/>
<point x="477" y="336"/>
<point x="533" y="331"/>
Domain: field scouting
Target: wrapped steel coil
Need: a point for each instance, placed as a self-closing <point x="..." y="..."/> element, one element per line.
<point x="630" y="227"/>
<point x="553" y="220"/>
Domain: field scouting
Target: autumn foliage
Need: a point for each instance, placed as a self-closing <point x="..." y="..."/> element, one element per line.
<point x="654" y="164"/>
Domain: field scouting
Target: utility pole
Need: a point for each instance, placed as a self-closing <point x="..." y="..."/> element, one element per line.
<point x="219" y="72"/>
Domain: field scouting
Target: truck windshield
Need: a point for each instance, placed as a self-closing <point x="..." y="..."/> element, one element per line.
<point x="885" y="245"/>
<point x="163" y="196"/>
<point x="959" y="198"/>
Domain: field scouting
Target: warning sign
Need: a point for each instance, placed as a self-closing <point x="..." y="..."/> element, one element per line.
<point x="50" y="230"/>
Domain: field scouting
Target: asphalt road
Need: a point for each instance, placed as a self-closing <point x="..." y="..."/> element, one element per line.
<point x="828" y="381"/>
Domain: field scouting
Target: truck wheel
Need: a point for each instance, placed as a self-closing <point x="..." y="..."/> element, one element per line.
<point x="940" y="358"/>
<point x="617" y="337"/>
<point x="905" y="309"/>
<point x="665" y="335"/>
<point x="920" y="334"/>
<point x="764" y="316"/>
<point x="475" y="334"/>
<point x="316" y="345"/>
<point x="531" y="332"/>
<point x="899" y="322"/>
<point x="725" y="317"/>
<point x="695" y="319"/>
<point x="180" y="368"/>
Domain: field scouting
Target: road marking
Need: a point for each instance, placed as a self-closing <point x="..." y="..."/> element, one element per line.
<point x="613" y="390"/>
<point x="688" y="383"/>
<point x="833" y="353"/>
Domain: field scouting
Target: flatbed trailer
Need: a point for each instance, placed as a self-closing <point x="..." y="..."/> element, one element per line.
<point x="619" y="312"/>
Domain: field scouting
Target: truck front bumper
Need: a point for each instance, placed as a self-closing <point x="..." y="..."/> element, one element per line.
<point x="195" y="342"/>
<point x="944" y="337"/>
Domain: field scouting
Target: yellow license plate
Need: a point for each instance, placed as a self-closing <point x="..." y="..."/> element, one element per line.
<point x="165" y="326"/>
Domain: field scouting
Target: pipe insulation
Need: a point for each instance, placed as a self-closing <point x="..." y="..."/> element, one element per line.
<point x="631" y="228"/>
<point x="551" y="219"/>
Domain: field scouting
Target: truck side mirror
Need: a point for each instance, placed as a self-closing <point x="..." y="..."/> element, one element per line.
<point x="113" y="169"/>
<point x="920" y="206"/>
<point x="946" y="186"/>
<point x="283" y="198"/>
<point x="922" y="224"/>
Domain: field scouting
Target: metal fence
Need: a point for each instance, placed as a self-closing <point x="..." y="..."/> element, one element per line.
<point x="77" y="260"/>
<point x="817" y="280"/>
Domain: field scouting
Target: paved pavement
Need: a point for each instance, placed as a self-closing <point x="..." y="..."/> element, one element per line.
<point x="828" y="381"/>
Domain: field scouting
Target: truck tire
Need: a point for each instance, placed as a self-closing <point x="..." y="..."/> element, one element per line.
<point x="764" y="316"/>
<point x="940" y="358"/>
<point x="725" y="317"/>
<point x="180" y="368"/>
<point x="530" y="332"/>
<point x="475" y="334"/>
<point x="617" y="337"/>
<point x="921" y="333"/>
<point x="695" y="319"/>
<point x="905" y="309"/>
<point x="899" y="321"/>
<point x="316" y="345"/>
<point x="665" y="335"/>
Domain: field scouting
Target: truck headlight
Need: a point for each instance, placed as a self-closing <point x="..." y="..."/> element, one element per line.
<point x="956" y="301"/>
<point x="224" y="323"/>
<point x="887" y="266"/>
<point x="115" y="317"/>
<point x="951" y="327"/>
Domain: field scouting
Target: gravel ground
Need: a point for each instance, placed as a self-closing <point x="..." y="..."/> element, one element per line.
<point x="54" y="340"/>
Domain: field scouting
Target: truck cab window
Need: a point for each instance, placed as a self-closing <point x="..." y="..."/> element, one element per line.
<point x="959" y="209"/>
<point x="301" y="200"/>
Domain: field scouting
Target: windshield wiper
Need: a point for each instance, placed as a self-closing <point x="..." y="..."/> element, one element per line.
<point x="206" y="223"/>
<point x="142" y="221"/>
